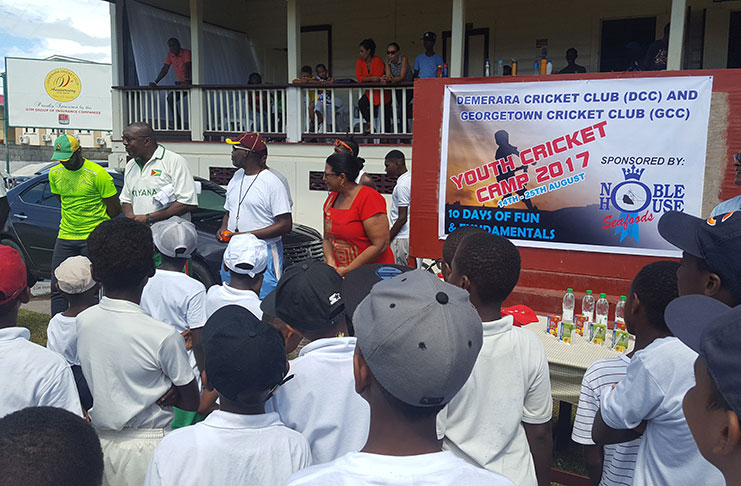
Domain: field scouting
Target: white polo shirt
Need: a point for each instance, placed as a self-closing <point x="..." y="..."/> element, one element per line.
<point x="401" y="197"/>
<point x="509" y="385"/>
<point x="653" y="388"/>
<point x="143" y="182"/>
<point x="176" y="299"/>
<point x="364" y="469"/>
<point x="219" y="296"/>
<point x="61" y="337"/>
<point x="33" y="376"/>
<point x="129" y="360"/>
<point x="229" y="449"/>
<point x="253" y="201"/>
<point x="320" y="401"/>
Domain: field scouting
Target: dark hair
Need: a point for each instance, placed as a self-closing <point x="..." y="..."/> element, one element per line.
<point x="491" y="263"/>
<point x="656" y="286"/>
<point x="353" y="146"/>
<point x="454" y="239"/>
<point x="306" y="69"/>
<point x="254" y="78"/>
<point x="48" y="446"/>
<point x="320" y="65"/>
<point x="122" y="253"/>
<point x="344" y="163"/>
<point x="410" y="412"/>
<point x="173" y="40"/>
<point x="144" y="127"/>
<point x="395" y="45"/>
<point x="369" y="45"/>
<point x="572" y="49"/>
<point x="395" y="155"/>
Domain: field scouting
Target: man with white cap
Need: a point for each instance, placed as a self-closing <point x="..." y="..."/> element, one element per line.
<point x="171" y="296"/>
<point x="256" y="202"/>
<point x="417" y="341"/>
<point x="246" y="259"/>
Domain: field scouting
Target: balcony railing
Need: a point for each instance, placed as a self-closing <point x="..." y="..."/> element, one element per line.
<point x="292" y="112"/>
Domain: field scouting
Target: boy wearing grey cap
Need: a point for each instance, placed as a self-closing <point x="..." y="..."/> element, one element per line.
<point x="240" y="443"/>
<point x="417" y="342"/>
<point x="713" y="405"/>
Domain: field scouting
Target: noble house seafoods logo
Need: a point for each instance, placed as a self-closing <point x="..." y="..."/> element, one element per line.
<point x="62" y="85"/>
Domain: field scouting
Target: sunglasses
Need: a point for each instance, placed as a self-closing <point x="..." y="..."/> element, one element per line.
<point x="391" y="53"/>
<point x="234" y="147"/>
<point x="340" y="143"/>
<point x="329" y="174"/>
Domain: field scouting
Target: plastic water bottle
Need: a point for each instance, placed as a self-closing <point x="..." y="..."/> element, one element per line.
<point x="568" y="306"/>
<point x="549" y="68"/>
<point x="603" y="308"/>
<point x="487" y="67"/>
<point x="439" y="71"/>
<point x="500" y="68"/>
<point x="620" y="313"/>
<point x="587" y="306"/>
<point x="445" y="70"/>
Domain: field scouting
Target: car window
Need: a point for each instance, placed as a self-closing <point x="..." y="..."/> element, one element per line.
<point x="210" y="199"/>
<point x="33" y="194"/>
<point x="49" y="199"/>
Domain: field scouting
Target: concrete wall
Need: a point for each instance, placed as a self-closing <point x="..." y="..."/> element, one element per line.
<point x="35" y="153"/>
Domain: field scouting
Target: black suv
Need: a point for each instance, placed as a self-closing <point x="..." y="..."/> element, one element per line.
<point x="35" y="213"/>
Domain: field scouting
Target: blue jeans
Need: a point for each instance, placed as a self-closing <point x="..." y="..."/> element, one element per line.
<point x="273" y="272"/>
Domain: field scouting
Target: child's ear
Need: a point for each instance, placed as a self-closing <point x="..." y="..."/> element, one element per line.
<point x="206" y="384"/>
<point x="466" y="283"/>
<point x="445" y="270"/>
<point x="713" y="284"/>
<point x="635" y="303"/>
<point x="730" y="435"/>
<point x="361" y="372"/>
<point x="26" y="295"/>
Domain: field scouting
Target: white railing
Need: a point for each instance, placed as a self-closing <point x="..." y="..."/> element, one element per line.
<point x="240" y="109"/>
<point x="337" y="109"/>
<point x="165" y="109"/>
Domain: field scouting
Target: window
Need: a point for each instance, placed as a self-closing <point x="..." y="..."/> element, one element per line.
<point x="49" y="199"/>
<point x="625" y="42"/>
<point x="34" y="194"/>
<point x="210" y="199"/>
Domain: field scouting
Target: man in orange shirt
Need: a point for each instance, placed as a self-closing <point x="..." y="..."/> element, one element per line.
<point x="180" y="59"/>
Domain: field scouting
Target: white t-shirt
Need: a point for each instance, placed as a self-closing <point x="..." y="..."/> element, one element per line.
<point x="509" y="385"/>
<point x="229" y="449"/>
<point x="253" y="201"/>
<point x="619" y="459"/>
<point x="129" y="360"/>
<point x="657" y="378"/>
<point x="219" y="296"/>
<point x="360" y="176"/>
<point x="176" y="299"/>
<point x="284" y="180"/>
<point x="61" y="337"/>
<point x="400" y="198"/>
<point x="360" y="468"/>
<point x="33" y="376"/>
<point x="165" y="168"/>
<point x="320" y="401"/>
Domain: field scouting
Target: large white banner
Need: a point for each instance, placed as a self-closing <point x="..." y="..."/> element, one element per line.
<point x="581" y="165"/>
<point x="58" y="94"/>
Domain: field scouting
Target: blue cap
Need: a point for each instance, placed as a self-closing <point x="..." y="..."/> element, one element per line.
<point x="713" y="330"/>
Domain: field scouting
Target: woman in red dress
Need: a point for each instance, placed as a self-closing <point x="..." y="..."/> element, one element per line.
<point x="356" y="228"/>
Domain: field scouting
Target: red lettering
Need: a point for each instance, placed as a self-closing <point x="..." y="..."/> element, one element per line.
<point x="556" y="148"/>
<point x="481" y="194"/>
<point x="587" y="134"/>
<point x="601" y="128"/>
<point x="573" y="140"/>
<point x="470" y="177"/>
<point x="458" y="181"/>
<point x="524" y="156"/>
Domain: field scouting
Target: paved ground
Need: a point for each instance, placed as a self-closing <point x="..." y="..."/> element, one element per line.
<point x="39" y="304"/>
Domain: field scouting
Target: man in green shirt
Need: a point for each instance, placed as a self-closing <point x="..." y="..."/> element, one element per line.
<point x="88" y="198"/>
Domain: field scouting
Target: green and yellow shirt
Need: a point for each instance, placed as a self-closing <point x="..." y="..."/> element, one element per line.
<point x="82" y="192"/>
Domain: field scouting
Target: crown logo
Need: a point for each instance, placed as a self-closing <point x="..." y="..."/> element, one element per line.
<point x="633" y="173"/>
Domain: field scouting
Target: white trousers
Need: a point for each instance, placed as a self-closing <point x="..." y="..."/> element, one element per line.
<point x="126" y="454"/>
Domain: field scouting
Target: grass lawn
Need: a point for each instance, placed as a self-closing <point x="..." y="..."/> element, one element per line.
<point x="37" y="323"/>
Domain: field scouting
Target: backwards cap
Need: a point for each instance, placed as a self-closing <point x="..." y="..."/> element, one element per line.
<point x="12" y="274"/>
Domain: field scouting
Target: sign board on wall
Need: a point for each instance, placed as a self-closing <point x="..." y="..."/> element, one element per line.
<point x="58" y="94"/>
<point x="579" y="165"/>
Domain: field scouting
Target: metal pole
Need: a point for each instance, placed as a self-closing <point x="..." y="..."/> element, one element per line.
<point x="5" y="122"/>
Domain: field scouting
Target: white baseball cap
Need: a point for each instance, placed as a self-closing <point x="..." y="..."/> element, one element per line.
<point x="175" y="237"/>
<point x="74" y="275"/>
<point x="246" y="254"/>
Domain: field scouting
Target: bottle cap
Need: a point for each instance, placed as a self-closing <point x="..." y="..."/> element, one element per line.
<point x="569" y="290"/>
<point x="603" y="294"/>
<point x="622" y="297"/>
<point x="589" y="292"/>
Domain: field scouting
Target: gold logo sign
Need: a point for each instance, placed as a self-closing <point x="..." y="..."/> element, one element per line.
<point x="63" y="85"/>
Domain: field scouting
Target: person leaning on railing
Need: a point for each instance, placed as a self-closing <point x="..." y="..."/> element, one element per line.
<point x="398" y="71"/>
<point x="371" y="69"/>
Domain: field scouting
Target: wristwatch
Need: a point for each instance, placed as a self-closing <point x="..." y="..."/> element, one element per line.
<point x="149" y="219"/>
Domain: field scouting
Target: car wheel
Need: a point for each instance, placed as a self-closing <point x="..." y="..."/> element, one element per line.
<point x="7" y="242"/>
<point x="200" y="272"/>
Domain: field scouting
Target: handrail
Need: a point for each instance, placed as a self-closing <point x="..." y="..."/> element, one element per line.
<point x="406" y="84"/>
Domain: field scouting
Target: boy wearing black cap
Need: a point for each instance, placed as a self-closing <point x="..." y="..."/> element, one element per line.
<point x="418" y="339"/>
<point x="501" y="418"/>
<point x="713" y="405"/>
<point x="320" y="403"/>
<point x="240" y="443"/>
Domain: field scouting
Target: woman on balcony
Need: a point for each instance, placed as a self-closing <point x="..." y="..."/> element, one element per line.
<point x="398" y="71"/>
<point x="372" y="69"/>
<point x="356" y="228"/>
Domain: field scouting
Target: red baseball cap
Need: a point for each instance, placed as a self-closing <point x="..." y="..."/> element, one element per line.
<point x="249" y="140"/>
<point x="12" y="274"/>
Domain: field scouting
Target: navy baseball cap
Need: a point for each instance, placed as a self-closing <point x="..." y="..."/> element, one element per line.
<point x="357" y="284"/>
<point x="308" y="297"/>
<point x="713" y="330"/>
<point x="716" y="240"/>
<point x="243" y="354"/>
<point x="429" y="36"/>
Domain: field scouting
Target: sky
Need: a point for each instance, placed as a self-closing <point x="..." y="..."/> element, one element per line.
<point x="41" y="28"/>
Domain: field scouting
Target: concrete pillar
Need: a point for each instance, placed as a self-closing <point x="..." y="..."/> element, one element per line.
<point x="294" y="39"/>
<point x="117" y="63"/>
<point x="457" y="38"/>
<point x="676" y="35"/>
<point x="197" y="56"/>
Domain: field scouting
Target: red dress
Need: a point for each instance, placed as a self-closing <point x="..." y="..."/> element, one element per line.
<point x="344" y="227"/>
